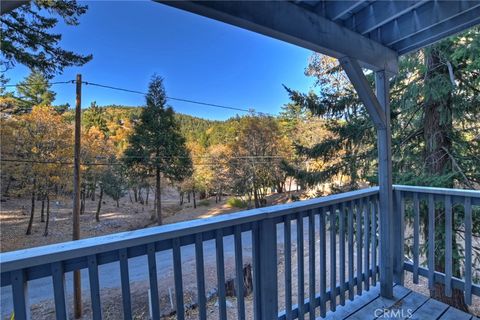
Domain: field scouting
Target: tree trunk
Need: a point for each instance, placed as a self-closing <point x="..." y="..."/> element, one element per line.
<point x="148" y="195"/>
<point x="42" y="212"/>
<point x="181" y="198"/>
<point x="45" y="233"/>
<point x="158" y="197"/>
<point x="437" y="127"/>
<point x="118" y="204"/>
<point x="194" y="200"/>
<point x="99" y="206"/>
<point x="94" y="189"/>
<point x="82" y="199"/>
<point x="135" y="195"/>
<point x="32" y="210"/>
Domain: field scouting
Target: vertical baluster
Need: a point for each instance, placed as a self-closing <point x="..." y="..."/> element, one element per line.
<point x="20" y="294"/>
<point x="373" y="234"/>
<point x="257" y="298"/>
<point x="268" y="269"/>
<point x="125" y="279"/>
<point x="288" y="267"/>
<point x="239" y="290"/>
<point x="323" y="263"/>
<point x="416" y="236"/>
<point x="342" y="253"/>
<point x="366" y="245"/>
<point x="468" y="250"/>
<point x="350" y="251"/>
<point x="431" y="242"/>
<point x="94" y="287"/>
<point x="311" y="263"/>
<point x="448" y="246"/>
<point x="358" y="220"/>
<point x="398" y="246"/>
<point x="300" y="262"/>
<point x="177" y="276"/>
<point x="333" y="259"/>
<point x="152" y="274"/>
<point x="202" y="300"/>
<point x="220" y="274"/>
<point x="58" y="278"/>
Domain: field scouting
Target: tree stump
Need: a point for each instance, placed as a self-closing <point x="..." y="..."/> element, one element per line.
<point x="230" y="289"/>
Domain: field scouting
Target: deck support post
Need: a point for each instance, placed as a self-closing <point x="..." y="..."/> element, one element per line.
<point x="388" y="225"/>
<point x="267" y="272"/>
<point x="378" y="107"/>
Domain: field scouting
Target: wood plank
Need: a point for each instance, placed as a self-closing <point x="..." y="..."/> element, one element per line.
<point x="220" y="274"/>
<point x="468" y="250"/>
<point x="404" y="308"/>
<point x="311" y="263"/>
<point x="352" y="306"/>
<point x="448" y="245"/>
<point x="431" y="242"/>
<point x="200" y="274"/>
<point x="432" y="309"/>
<point x="455" y="314"/>
<point x="58" y="277"/>
<point x="20" y="294"/>
<point x="177" y="276"/>
<point x="152" y="275"/>
<point x="300" y="268"/>
<point x="351" y="293"/>
<point x="239" y="289"/>
<point x="368" y="311"/>
<point x="288" y="267"/>
<point x="323" y="263"/>
<point x="416" y="236"/>
<point x="125" y="280"/>
<point x="366" y="245"/>
<point x="333" y="258"/>
<point x="257" y="298"/>
<point x="374" y="241"/>
<point x="358" y="231"/>
<point x="94" y="287"/>
<point x="342" y="254"/>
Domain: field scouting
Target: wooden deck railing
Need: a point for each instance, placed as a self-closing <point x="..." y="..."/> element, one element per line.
<point x="339" y="232"/>
<point x="431" y="213"/>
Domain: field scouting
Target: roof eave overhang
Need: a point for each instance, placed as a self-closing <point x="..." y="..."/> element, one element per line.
<point x="293" y="24"/>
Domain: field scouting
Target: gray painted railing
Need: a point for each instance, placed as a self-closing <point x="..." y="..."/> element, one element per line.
<point x="343" y="228"/>
<point x="435" y="207"/>
<point x="351" y="216"/>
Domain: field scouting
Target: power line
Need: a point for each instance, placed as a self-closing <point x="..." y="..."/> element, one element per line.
<point x="170" y="98"/>
<point x="202" y="103"/>
<point x="31" y="85"/>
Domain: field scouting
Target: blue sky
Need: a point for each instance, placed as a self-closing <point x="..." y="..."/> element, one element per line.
<point x="199" y="58"/>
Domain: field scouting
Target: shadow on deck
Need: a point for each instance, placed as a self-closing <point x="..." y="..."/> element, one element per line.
<point x="406" y="304"/>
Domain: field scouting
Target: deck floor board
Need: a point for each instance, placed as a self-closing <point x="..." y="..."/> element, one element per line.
<point x="406" y="304"/>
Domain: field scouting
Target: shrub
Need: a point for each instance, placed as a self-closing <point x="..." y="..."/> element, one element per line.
<point x="236" y="202"/>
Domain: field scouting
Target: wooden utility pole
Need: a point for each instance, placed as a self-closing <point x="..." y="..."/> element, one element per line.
<point x="77" y="281"/>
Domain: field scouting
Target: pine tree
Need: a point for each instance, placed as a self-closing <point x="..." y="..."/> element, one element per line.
<point x="435" y="115"/>
<point x="156" y="143"/>
<point x="27" y="36"/>
<point x="35" y="91"/>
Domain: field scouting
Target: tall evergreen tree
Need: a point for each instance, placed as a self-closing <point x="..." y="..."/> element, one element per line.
<point x="156" y="143"/>
<point x="35" y="91"/>
<point x="435" y="115"/>
<point x="27" y="36"/>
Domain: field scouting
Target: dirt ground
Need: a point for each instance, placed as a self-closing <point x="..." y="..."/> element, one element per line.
<point x="15" y="213"/>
